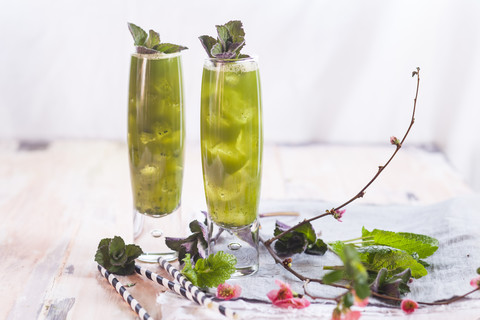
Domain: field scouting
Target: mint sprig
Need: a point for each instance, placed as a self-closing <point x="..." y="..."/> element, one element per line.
<point x="230" y="41"/>
<point x="116" y="257"/>
<point x="150" y="43"/>
<point x="195" y="244"/>
<point x="210" y="272"/>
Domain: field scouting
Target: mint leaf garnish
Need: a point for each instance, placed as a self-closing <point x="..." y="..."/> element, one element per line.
<point x="412" y="243"/>
<point x="208" y="43"/>
<point x="117" y="257"/>
<point x="150" y="43"/>
<point x="139" y="35"/>
<point x="230" y="40"/>
<point x="153" y="39"/>
<point x="168" y="47"/>
<point x="210" y="272"/>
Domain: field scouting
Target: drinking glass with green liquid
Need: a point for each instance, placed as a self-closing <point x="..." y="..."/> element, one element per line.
<point x="231" y="147"/>
<point x="156" y="134"/>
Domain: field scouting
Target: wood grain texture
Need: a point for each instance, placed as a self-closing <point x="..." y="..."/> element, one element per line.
<point x="58" y="201"/>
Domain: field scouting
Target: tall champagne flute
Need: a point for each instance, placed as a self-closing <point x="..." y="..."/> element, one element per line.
<point x="156" y="134"/>
<point x="231" y="146"/>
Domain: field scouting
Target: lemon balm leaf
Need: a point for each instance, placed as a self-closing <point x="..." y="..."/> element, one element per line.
<point x="412" y="243"/>
<point x="210" y="272"/>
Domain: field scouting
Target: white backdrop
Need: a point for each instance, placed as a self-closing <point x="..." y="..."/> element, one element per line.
<point x="331" y="71"/>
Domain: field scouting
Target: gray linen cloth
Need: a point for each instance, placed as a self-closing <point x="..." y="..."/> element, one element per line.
<point x="455" y="223"/>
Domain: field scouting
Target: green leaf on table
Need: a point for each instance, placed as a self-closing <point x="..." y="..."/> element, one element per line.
<point x="356" y="271"/>
<point x="391" y="285"/>
<point x="395" y="260"/>
<point x="210" y="272"/>
<point x="333" y="276"/>
<point x="117" y="257"/>
<point x="139" y="35"/>
<point x="411" y="243"/>
<point x="295" y="241"/>
<point x="318" y="248"/>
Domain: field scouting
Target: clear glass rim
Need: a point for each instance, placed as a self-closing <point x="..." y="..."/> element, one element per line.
<point x="226" y="61"/>
<point x="156" y="56"/>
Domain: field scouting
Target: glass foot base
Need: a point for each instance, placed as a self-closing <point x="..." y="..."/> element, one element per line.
<point x="240" y="242"/>
<point x="149" y="233"/>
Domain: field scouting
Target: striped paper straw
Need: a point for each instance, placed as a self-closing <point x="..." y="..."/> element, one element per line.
<point x="196" y="292"/>
<point x="170" y="285"/>
<point x="142" y="313"/>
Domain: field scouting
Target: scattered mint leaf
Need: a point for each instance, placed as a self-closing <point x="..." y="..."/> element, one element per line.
<point x="396" y="260"/>
<point x="139" y="35"/>
<point x="356" y="271"/>
<point x="117" y="257"/>
<point x="295" y="241"/>
<point x="412" y="243"/>
<point x="333" y="276"/>
<point x="393" y="286"/>
<point x="128" y="285"/>
<point x="150" y="43"/>
<point x="318" y="248"/>
<point x="210" y="272"/>
<point x="230" y="40"/>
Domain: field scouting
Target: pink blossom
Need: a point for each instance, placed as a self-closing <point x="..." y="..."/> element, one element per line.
<point x="409" y="306"/>
<point x="227" y="291"/>
<point x="349" y="315"/>
<point x="353" y="315"/>
<point x="475" y="282"/>
<point x="338" y="214"/>
<point x="359" y="302"/>
<point x="283" y="297"/>
<point x="394" y="140"/>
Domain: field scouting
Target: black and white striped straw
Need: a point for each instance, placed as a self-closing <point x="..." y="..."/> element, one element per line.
<point x="175" y="287"/>
<point x="142" y="313"/>
<point x="195" y="291"/>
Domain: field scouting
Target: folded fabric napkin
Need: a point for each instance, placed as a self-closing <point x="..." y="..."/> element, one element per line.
<point x="455" y="223"/>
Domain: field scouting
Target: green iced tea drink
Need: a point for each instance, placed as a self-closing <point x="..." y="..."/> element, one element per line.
<point x="156" y="132"/>
<point x="231" y="140"/>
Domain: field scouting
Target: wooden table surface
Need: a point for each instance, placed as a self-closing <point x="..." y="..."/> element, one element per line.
<point x="58" y="199"/>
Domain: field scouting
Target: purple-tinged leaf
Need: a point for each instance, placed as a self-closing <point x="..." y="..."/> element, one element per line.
<point x="207" y="43"/>
<point x="235" y="46"/>
<point x="226" y="55"/>
<point x="145" y="50"/>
